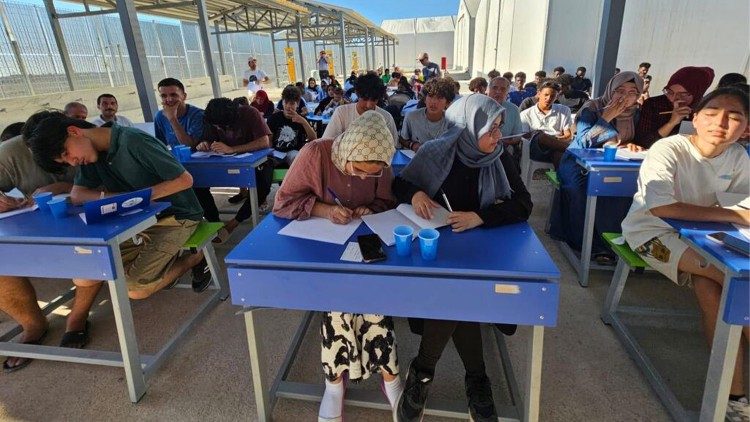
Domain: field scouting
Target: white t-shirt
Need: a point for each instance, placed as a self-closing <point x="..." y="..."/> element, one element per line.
<point x="120" y="120"/>
<point x="346" y="114"/>
<point x="552" y="123"/>
<point x="674" y="171"/>
<point x="254" y="78"/>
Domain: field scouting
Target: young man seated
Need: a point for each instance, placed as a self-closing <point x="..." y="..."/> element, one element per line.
<point x="550" y="124"/>
<point x="428" y="123"/>
<point x="231" y="129"/>
<point x="289" y="130"/>
<point x="118" y="159"/>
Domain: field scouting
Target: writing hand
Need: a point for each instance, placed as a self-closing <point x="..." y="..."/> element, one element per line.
<point x="423" y="205"/>
<point x="461" y="221"/>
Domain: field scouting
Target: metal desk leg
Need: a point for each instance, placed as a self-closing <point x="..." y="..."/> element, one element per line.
<point x="254" y="209"/>
<point x="588" y="239"/>
<point x="615" y="291"/>
<point x="534" y="376"/>
<point x="721" y="364"/>
<point x="131" y="359"/>
<point x="258" y="369"/>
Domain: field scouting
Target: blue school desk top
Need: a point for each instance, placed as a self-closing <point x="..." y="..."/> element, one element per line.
<point x="508" y="251"/>
<point x="696" y="232"/>
<point x="591" y="158"/>
<point x="400" y="160"/>
<point x="254" y="157"/>
<point x="42" y="227"/>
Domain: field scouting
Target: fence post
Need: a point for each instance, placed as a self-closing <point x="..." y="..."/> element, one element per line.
<point x="16" y="50"/>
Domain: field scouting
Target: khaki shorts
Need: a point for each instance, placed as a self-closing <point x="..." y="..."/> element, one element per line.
<point x="663" y="254"/>
<point x="148" y="258"/>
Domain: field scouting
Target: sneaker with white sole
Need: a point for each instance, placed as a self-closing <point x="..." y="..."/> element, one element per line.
<point x="738" y="410"/>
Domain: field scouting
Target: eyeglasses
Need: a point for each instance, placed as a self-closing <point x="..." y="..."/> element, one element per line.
<point x="496" y="127"/>
<point x="356" y="173"/>
<point x="679" y="95"/>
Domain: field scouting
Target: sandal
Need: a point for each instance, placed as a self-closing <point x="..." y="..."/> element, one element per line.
<point x="25" y="361"/>
<point x="222" y="235"/>
<point x="76" y="339"/>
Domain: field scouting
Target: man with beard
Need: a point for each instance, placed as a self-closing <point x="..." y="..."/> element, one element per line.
<point x="107" y="106"/>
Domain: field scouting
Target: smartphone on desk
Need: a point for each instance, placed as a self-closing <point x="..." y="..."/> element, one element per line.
<point x="732" y="242"/>
<point x="371" y="248"/>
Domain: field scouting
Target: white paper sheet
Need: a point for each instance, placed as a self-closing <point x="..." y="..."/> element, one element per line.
<point x="626" y="154"/>
<point x="733" y="200"/>
<point x="439" y="217"/>
<point x="18" y="211"/>
<point x="352" y="253"/>
<point x="407" y="152"/>
<point x="383" y="224"/>
<point x="206" y="154"/>
<point x="15" y="193"/>
<point x="278" y="154"/>
<point x="321" y="229"/>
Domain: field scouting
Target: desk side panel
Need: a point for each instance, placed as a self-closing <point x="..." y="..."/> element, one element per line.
<point x="737" y="309"/>
<point x="621" y="183"/>
<point x="56" y="261"/>
<point x="526" y="302"/>
<point x="224" y="175"/>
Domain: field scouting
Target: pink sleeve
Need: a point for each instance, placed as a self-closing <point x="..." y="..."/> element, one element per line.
<point x="303" y="185"/>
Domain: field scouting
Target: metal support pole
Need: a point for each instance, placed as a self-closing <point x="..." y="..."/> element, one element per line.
<point x="275" y="60"/>
<point x="299" y="44"/>
<point x="161" y="50"/>
<point x="184" y="50"/>
<point x="208" y="47"/>
<point x="609" y="43"/>
<point x="16" y="50"/>
<point x="105" y="62"/>
<point x="386" y="64"/>
<point x="46" y="44"/>
<point x="367" y="49"/>
<point x="62" y="48"/>
<point x="372" y="46"/>
<point x="221" y="51"/>
<point x="134" y="41"/>
<point x="343" y="44"/>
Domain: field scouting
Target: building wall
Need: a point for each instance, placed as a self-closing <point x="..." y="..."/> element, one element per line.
<point x="572" y="34"/>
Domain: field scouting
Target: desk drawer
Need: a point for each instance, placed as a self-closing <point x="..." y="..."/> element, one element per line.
<point x="623" y="183"/>
<point x="737" y="309"/>
<point x="56" y="261"/>
<point x="206" y="176"/>
<point x="526" y="302"/>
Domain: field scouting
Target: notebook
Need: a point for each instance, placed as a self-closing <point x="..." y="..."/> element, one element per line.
<point x="383" y="223"/>
<point x="116" y="206"/>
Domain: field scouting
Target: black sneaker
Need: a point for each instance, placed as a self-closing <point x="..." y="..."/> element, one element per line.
<point x="479" y="394"/>
<point x="201" y="276"/>
<point x="411" y="403"/>
<point x="236" y="199"/>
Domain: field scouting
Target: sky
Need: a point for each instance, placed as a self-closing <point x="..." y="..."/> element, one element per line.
<point x="378" y="10"/>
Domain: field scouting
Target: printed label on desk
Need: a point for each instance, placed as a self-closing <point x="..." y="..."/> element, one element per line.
<point x="612" y="179"/>
<point x="128" y="203"/>
<point x="233" y="171"/>
<point x="82" y="251"/>
<point x="108" y="208"/>
<point x="507" y="289"/>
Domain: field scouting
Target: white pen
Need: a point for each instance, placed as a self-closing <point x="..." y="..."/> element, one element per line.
<point x="445" y="198"/>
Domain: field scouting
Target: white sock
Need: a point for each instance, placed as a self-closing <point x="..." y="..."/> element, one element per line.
<point x="331" y="405"/>
<point x="393" y="389"/>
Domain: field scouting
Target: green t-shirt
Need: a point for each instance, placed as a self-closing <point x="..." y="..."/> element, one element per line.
<point x="136" y="161"/>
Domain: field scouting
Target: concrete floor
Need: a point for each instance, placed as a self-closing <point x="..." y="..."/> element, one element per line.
<point x="587" y="376"/>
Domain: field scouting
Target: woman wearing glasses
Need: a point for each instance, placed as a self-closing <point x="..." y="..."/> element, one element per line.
<point x="340" y="180"/>
<point x="681" y="95"/>
<point x="470" y="167"/>
<point x="609" y="118"/>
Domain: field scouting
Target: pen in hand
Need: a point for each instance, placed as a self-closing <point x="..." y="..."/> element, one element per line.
<point x="445" y="198"/>
<point x="335" y="198"/>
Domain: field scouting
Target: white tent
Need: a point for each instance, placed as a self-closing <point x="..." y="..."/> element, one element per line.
<point x="433" y="35"/>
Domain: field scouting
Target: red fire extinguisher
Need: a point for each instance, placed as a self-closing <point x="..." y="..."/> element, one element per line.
<point x="443" y="62"/>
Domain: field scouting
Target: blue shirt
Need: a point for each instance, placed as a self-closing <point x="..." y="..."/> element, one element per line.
<point x="432" y="70"/>
<point x="517" y="97"/>
<point x="191" y="121"/>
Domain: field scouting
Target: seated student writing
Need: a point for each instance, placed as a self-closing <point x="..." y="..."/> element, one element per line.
<point x="289" y="130"/>
<point x="551" y="125"/>
<point x="680" y="178"/>
<point x="232" y="129"/>
<point x="481" y="182"/>
<point x="355" y="167"/>
<point x="119" y="159"/>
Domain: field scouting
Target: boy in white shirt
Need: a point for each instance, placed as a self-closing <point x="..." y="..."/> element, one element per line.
<point x="679" y="179"/>
<point x="549" y="124"/>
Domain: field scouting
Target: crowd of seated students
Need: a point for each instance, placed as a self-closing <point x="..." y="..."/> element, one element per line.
<point x="466" y="146"/>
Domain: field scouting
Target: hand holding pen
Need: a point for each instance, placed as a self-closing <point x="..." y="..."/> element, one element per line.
<point x="339" y="214"/>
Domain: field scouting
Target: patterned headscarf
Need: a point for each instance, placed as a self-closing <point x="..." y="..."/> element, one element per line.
<point x="625" y="122"/>
<point x="366" y="139"/>
<point x="470" y="117"/>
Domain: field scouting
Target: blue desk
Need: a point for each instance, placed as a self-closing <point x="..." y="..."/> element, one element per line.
<point x="229" y="172"/>
<point x="399" y="161"/>
<point x="475" y="278"/>
<point x="35" y="244"/>
<point x="617" y="178"/>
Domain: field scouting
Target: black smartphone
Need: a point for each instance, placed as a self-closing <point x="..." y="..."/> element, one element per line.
<point x="732" y="242"/>
<point x="371" y="248"/>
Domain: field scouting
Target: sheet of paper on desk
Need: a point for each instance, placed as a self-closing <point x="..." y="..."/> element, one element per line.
<point x="18" y="211"/>
<point x="243" y="155"/>
<point x="439" y="217"/>
<point x="321" y="229"/>
<point x="15" y="193"/>
<point x="407" y="152"/>
<point x="206" y="154"/>
<point x="352" y="253"/>
<point x="383" y="223"/>
<point x="278" y="154"/>
<point x="626" y="154"/>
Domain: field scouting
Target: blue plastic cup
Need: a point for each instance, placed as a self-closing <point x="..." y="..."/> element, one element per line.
<point x="175" y="152"/>
<point x="610" y="152"/>
<point x="59" y="207"/>
<point x="428" y="243"/>
<point x="184" y="153"/>
<point x="42" y="199"/>
<point x="403" y="236"/>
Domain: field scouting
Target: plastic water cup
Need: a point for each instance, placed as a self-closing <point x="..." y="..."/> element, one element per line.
<point x="403" y="236"/>
<point x="59" y="207"/>
<point x="184" y="153"/>
<point x="428" y="243"/>
<point x="42" y="199"/>
<point x="610" y="152"/>
<point x="175" y="152"/>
